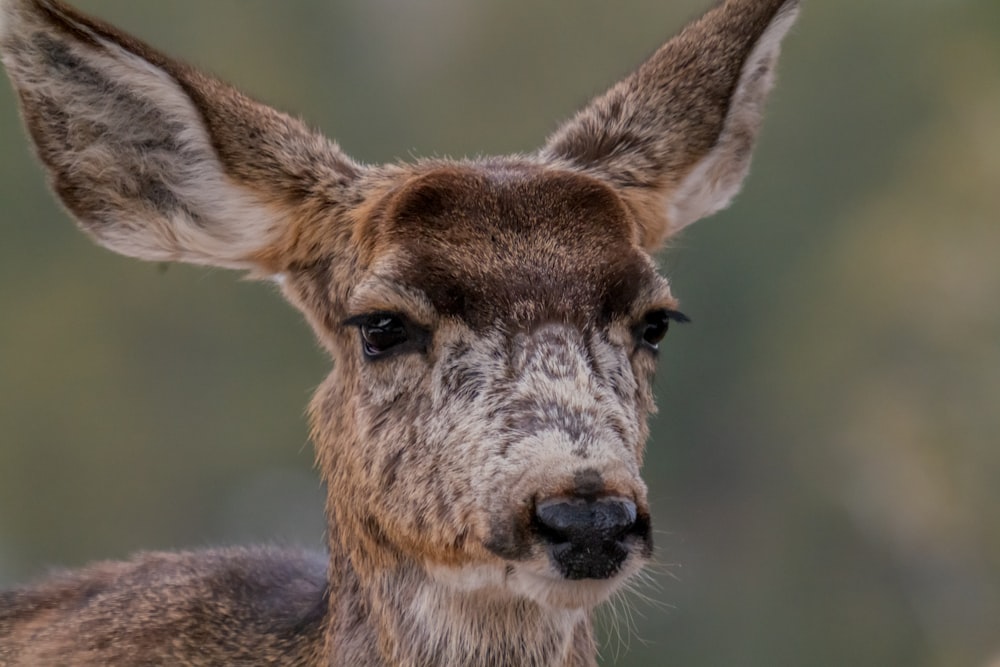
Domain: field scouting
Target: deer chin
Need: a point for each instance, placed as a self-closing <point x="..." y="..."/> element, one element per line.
<point x="537" y="580"/>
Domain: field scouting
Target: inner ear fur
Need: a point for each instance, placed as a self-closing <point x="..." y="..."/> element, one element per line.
<point x="675" y="137"/>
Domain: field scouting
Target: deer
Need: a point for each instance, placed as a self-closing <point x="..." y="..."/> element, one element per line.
<point x="493" y="326"/>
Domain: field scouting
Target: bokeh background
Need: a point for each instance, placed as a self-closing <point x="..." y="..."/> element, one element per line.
<point x="825" y="467"/>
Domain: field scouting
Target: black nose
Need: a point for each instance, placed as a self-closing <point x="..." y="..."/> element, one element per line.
<point x="586" y="537"/>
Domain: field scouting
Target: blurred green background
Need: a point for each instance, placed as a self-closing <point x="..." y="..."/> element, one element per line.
<point x="825" y="467"/>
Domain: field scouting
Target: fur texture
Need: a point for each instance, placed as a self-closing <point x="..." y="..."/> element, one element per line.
<point x="525" y="291"/>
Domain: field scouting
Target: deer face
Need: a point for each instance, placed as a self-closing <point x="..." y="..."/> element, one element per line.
<point x="493" y="363"/>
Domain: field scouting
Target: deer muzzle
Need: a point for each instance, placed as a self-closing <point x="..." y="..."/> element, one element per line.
<point x="589" y="538"/>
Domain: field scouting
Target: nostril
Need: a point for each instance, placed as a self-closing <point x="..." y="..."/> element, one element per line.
<point x="577" y="520"/>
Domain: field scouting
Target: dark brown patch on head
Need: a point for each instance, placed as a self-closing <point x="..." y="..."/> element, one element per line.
<point x="515" y="243"/>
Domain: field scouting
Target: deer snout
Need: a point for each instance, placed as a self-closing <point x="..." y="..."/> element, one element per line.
<point x="587" y="537"/>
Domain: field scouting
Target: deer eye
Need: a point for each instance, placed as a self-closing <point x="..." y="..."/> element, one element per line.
<point x="383" y="333"/>
<point x="655" y="324"/>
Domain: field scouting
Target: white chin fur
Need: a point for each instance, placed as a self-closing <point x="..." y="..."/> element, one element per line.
<point x="537" y="581"/>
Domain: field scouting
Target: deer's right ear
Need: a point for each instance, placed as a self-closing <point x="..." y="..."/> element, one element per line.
<point x="675" y="137"/>
<point x="156" y="160"/>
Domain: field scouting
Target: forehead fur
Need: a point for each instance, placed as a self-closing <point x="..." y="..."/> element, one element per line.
<point x="516" y="243"/>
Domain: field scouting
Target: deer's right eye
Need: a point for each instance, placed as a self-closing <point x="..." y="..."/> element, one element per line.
<point x="385" y="333"/>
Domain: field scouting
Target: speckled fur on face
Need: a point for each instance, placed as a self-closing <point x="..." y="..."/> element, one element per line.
<point x="531" y="286"/>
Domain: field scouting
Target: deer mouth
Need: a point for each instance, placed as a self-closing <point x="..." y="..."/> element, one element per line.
<point x="573" y="576"/>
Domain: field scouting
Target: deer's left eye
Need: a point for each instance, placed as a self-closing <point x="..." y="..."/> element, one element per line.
<point x="385" y="333"/>
<point x="655" y="324"/>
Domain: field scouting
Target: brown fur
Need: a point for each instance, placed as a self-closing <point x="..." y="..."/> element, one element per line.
<point x="525" y="281"/>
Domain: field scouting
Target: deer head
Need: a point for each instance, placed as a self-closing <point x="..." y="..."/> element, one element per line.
<point x="493" y="324"/>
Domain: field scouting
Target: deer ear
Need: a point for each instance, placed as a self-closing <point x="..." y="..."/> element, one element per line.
<point x="156" y="160"/>
<point x="675" y="137"/>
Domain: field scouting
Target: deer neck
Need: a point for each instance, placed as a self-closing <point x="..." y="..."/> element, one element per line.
<point x="393" y="611"/>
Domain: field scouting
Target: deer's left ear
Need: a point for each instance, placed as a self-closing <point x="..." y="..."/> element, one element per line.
<point x="675" y="137"/>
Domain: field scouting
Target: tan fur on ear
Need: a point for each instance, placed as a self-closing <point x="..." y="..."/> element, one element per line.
<point x="154" y="159"/>
<point x="675" y="137"/>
